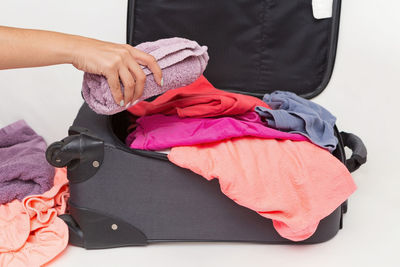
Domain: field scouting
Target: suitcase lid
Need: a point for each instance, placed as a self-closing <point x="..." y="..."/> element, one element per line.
<point x="255" y="46"/>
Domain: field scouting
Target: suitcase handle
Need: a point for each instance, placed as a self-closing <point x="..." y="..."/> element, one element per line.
<point x="359" y="151"/>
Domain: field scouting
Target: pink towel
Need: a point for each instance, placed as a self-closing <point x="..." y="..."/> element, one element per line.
<point x="182" y="61"/>
<point x="31" y="234"/>
<point x="296" y="184"/>
<point x="158" y="132"/>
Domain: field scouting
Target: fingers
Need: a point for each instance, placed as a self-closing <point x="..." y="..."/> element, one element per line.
<point x="129" y="85"/>
<point x="140" y="79"/>
<point x="124" y="66"/>
<point x="113" y="82"/>
<point x="147" y="60"/>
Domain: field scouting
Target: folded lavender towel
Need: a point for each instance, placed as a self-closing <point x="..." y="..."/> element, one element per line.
<point x="182" y="61"/>
<point x="23" y="167"/>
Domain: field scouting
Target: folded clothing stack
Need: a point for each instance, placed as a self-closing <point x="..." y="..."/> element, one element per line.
<point x="182" y="61"/>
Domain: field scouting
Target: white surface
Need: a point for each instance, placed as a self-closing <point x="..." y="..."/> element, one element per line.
<point x="364" y="94"/>
<point x="322" y="8"/>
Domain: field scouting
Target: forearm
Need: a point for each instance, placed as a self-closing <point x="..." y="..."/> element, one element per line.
<point x="21" y="48"/>
<point x="33" y="48"/>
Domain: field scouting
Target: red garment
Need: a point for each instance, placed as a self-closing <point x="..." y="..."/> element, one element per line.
<point x="199" y="99"/>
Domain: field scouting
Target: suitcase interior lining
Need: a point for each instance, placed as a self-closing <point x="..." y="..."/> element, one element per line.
<point x="255" y="47"/>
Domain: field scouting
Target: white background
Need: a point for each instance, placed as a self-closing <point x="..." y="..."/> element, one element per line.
<point x="364" y="94"/>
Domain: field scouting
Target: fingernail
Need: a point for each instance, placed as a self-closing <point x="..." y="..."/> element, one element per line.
<point x="121" y="103"/>
<point x="127" y="105"/>
<point x="162" y="82"/>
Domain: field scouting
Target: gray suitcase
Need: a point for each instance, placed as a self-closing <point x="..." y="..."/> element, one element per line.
<point x="122" y="197"/>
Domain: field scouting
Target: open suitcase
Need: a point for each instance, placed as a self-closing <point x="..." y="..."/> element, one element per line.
<point x="121" y="197"/>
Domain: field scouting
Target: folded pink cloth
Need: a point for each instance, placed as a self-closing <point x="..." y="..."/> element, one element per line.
<point x="31" y="233"/>
<point x="158" y="132"/>
<point x="182" y="61"/>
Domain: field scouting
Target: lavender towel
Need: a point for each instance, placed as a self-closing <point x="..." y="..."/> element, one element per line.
<point x="23" y="167"/>
<point x="182" y="61"/>
<point x="294" y="114"/>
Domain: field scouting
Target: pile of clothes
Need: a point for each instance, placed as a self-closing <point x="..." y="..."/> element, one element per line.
<point x="272" y="155"/>
<point x="32" y="195"/>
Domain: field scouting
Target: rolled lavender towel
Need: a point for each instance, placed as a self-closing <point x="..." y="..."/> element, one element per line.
<point x="23" y="167"/>
<point x="182" y="61"/>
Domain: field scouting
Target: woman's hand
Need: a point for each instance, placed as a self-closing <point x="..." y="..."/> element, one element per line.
<point x="117" y="62"/>
<point x="21" y="48"/>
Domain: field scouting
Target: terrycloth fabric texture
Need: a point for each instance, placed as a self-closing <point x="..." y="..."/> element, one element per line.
<point x="31" y="234"/>
<point x="291" y="113"/>
<point x="182" y="61"/>
<point x="23" y="167"/>
<point x="296" y="184"/>
<point x="158" y="132"/>
<point x="199" y="99"/>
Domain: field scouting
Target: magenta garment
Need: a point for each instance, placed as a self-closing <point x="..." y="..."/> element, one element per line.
<point x="157" y="132"/>
<point x="182" y="62"/>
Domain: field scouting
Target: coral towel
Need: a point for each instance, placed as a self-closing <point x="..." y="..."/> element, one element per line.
<point x="296" y="184"/>
<point x="31" y="233"/>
